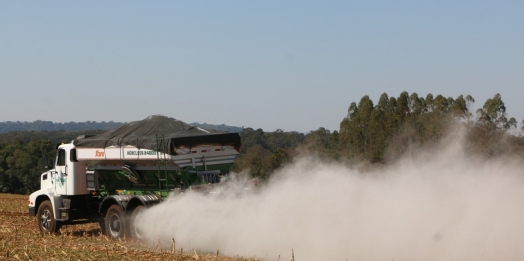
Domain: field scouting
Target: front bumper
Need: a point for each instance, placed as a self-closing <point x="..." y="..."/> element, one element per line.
<point x="32" y="211"/>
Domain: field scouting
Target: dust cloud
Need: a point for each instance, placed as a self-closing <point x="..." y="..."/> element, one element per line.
<point x="437" y="205"/>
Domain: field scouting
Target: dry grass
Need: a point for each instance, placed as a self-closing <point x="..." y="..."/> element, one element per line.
<point x="20" y="239"/>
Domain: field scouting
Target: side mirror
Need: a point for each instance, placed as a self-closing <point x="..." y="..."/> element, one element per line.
<point x="48" y="163"/>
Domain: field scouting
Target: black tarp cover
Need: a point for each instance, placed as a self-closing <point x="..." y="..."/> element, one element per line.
<point x="147" y="134"/>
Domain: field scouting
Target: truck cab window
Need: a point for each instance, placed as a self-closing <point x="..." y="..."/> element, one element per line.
<point x="72" y="155"/>
<point x="61" y="156"/>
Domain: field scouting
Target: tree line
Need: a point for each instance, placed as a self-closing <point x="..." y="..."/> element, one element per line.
<point x="372" y="133"/>
<point x="378" y="134"/>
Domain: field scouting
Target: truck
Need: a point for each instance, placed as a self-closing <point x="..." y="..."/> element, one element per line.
<point x="111" y="178"/>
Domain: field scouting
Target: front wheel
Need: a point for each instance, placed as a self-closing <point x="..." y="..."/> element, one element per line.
<point x="115" y="222"/>
<point x="46" y="219"/>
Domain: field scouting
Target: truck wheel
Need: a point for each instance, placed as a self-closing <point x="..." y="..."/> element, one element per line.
<point x="115" y="222"/>
<point x="46" y="219"/>
<point x="135" y="232"/>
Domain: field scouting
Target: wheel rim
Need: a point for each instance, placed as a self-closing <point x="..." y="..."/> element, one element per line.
<point x="115" y="225"/>
<point x="45" y="219"/>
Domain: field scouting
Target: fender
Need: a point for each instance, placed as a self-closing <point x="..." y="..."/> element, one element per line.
<point x="121" y="200"/>
<point x="128" y="202"/>
<point x="145" y="200"/>
<point x="37" y="197"/>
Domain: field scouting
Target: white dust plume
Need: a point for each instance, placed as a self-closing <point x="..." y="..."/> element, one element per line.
<point x="441" y="205"/>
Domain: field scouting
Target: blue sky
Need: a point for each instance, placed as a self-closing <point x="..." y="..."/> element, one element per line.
<point x="293" y="65"/>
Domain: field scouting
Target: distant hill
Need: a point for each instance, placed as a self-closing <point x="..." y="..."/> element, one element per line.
<point x="221" y="127"/>
<point x="11" y="126"/>
<point x="69" y="134"/>
<point x="49" y="126"/>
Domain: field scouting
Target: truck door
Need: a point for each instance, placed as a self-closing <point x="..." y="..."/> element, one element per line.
<point x="60" y="177"/>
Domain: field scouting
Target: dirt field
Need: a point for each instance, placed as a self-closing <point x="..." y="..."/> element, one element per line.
<point x="20" y="239"/>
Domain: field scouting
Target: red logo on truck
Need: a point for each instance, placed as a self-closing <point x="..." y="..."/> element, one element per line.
<point x="99" y="153"/>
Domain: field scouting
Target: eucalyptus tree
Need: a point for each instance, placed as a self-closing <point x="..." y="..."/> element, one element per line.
<point x="379" y="129"/>
<point x="349" y="132"/>
<point x="492" y="116"/>
<point x="459" y="109"/>
<point x="365" y="133"/>
<point x="429" y="102"/>
<point x="391" y="123"/>
<point x="402" y="110"/>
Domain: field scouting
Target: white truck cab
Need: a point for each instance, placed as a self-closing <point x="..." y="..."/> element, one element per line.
<point x="67" y="178"/>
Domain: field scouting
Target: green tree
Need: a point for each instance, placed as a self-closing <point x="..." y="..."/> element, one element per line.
<point x="492" y="115"/>
<point x="349" y="132"/>
<point x="276" y="139"/>
<point x="251" y="137"/>
<point x="259" y="161"/>
<point x="279" y="158"/>
<point x="21" y="165"/>
<point x="365" y="134"/>
<point x="391" y="123"/>
<point x="402" y="110"/>
<point x="378" y="130"/>
<point x="317" y="141"/>
<point x="458" y="108"/>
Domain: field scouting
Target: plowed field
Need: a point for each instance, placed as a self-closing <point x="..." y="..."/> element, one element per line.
<point x="20" y="239"/>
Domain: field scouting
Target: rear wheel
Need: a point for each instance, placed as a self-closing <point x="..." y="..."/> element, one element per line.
<point x="134" y="230"/>
<point x="115" y="222"/>
<point x="46" y="219"/>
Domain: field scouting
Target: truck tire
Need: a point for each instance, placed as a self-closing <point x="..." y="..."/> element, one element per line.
<point x="115" y="222"/>
<point x="46" y="219"/>
<point x="134" y="230"/>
